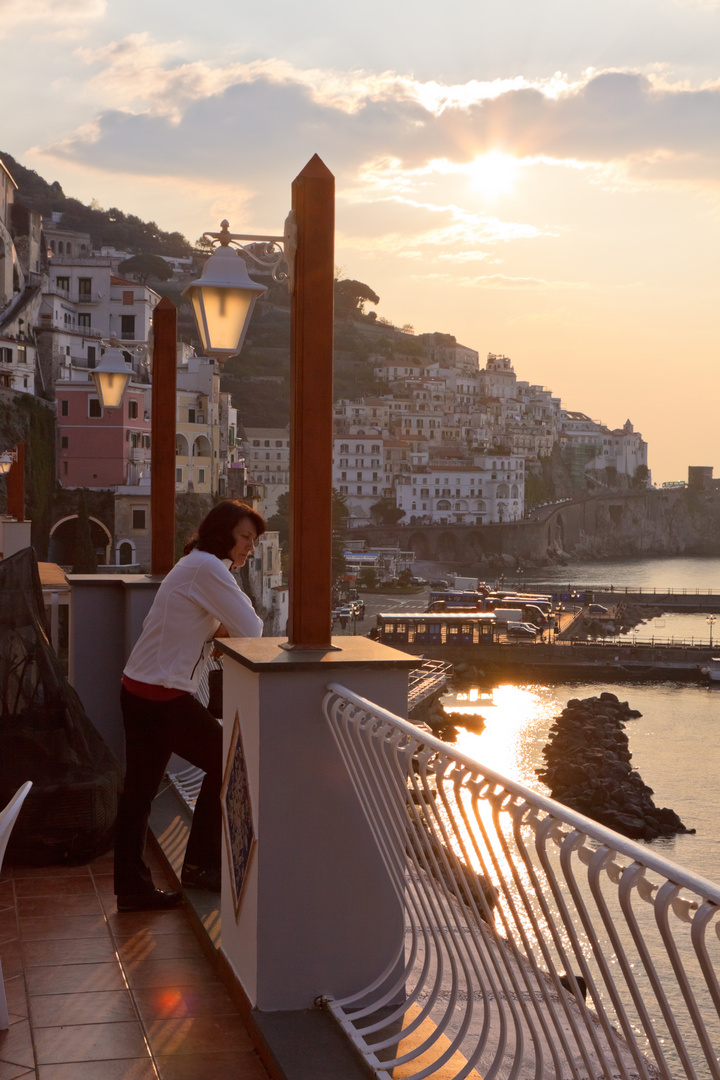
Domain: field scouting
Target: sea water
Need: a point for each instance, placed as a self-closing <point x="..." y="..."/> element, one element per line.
<point x="675" y="744"/>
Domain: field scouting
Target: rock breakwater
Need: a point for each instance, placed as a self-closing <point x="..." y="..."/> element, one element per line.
<point x="588" y="769"/>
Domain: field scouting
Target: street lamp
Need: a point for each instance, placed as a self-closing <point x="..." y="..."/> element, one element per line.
<point x="12" y="466"/>
<point x="307" y="249"/>
<point x="111" y="377"/>
<point x="711" y="620"/>
<point x="7" y="460"/>
<point x="224" y="295"/>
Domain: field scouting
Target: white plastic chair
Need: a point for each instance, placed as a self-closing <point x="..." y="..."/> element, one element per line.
<point x="8" y="817"/>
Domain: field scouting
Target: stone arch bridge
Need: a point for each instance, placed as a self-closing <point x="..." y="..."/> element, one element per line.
<point x="619" y="522"/>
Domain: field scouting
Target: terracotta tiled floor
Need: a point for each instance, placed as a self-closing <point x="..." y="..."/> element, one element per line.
<point x="94" y="995"/>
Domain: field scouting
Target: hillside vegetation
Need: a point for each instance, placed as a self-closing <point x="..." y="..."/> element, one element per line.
<point x="258" y="379"/>
<point x="106" y="227"/>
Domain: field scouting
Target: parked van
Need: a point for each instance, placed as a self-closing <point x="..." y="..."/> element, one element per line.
<point x="532" y="613"/>
<point x="508" y="615"/>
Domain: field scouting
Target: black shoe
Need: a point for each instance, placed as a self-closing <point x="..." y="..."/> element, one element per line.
<point x="197" y="877"/>
<point x="157" y="900"/>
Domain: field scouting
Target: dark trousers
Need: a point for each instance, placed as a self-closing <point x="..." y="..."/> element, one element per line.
<point x="153" y="731"/>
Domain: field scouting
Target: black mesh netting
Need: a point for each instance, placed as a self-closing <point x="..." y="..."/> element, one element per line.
<point x="45" y="736"/>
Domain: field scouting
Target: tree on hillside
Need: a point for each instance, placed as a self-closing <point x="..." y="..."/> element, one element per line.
<point x="367" y="577"/>
<point x="280" y="520"/>
<point x="280" y="523"/>
<point x="351" y="296"/>
<point x="386" y="512"/>
<point x="640" y="480"/>
<point x="536" y="490"/>
<point x="146" y="266"/>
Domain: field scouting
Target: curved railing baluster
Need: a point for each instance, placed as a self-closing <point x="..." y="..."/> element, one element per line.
<point x="509" y="898"/>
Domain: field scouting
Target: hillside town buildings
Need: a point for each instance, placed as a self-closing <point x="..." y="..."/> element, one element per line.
<point x="444" y="441"/>
<point x="494" y="427"/>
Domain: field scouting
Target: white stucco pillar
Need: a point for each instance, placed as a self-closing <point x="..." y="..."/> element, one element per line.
<point x="107" y="616"/>
<point x="317" y="914"/>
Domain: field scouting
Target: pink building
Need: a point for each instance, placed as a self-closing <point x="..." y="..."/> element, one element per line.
<point x="102" y="448"/>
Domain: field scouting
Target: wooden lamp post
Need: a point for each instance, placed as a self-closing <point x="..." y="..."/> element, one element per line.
<point x="225" y="293"/>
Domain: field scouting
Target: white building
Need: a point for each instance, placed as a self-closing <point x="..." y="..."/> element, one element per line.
<point x="266" y="585"/>
<point x="624" y="450"/>
<point x="198" y="462"/>
<point x="448" y="353"/>
<point x="387" y="563"/>
<point x="490" y="489"/>
<point x="371" y="413"/>
<point x="419" y="418"/>
<point x="267" y="458"/>
<point x="398" y="367"/>
<point x="84" y="302"/>
<point x="358" y="474"/>
<point x="498" y="378"/>
<point x="21" y="274"/>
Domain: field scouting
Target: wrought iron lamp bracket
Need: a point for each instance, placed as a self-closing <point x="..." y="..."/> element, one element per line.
<point x="268" y="252"/>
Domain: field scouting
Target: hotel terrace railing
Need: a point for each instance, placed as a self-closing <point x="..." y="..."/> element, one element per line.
<point x="513" y="906"/>
<point x="427" y="679"/>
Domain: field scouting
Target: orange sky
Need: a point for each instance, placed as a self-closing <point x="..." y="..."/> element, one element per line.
<point x="539" y="179"/>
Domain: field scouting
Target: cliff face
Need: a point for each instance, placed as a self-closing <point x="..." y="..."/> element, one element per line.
<point x="680" y="522"/>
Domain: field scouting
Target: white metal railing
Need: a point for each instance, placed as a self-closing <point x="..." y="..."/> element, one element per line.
<point x="427" y="679"/>
<point x="188" y="780"/>
<point x="514" y="904"/>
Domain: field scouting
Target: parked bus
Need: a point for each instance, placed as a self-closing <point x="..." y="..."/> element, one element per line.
<point x="455" y="600"/>
<point x="532" y="611"/>
<point x="544" y="603"/>
<point x="429" y="628"/>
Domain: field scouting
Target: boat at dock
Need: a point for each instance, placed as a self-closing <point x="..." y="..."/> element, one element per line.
<point x="469" y="701"/>
<point x="713" y="669"/>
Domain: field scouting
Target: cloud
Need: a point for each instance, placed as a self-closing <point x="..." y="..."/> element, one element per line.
<point x="505" y="281"/>
<point x="388" y="130"/>
<point x="406" y="154"/>
<point x="154" y="77"/>
<point x="399" y="224"/>
<point x="57" y="18"/>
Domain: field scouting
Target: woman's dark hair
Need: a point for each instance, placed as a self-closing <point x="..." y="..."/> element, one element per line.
<point x="215" y="531"/>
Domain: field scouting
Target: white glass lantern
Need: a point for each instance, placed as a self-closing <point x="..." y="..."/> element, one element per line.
<point x="111" y="377"/>
<point x="223" y="298"/>
<point x="7" y="460"/>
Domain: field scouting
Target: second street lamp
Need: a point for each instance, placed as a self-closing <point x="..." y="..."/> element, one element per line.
<point x="111" y="377"/>
<point x="7" y="460"/>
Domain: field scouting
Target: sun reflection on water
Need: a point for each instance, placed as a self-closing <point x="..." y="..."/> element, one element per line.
<point x="517" y="719"/>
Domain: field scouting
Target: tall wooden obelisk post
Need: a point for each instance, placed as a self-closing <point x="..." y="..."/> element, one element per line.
<point x="311" y="412"/>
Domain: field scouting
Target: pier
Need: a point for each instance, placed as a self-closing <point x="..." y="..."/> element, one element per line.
<point x="605" y="660"/>
<point x="687" y="601"/>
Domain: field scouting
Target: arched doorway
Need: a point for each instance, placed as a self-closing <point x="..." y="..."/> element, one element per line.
<point x="125" y="553"/>
<point x="63" y="537"/>
<point x="447" y="548"/>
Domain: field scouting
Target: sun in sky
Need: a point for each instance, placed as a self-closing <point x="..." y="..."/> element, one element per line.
<point x="577" y="162"/>
<point x="493" y="174"/>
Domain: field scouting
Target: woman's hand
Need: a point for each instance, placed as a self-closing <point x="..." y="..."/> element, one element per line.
<point x="222" y="631"/>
